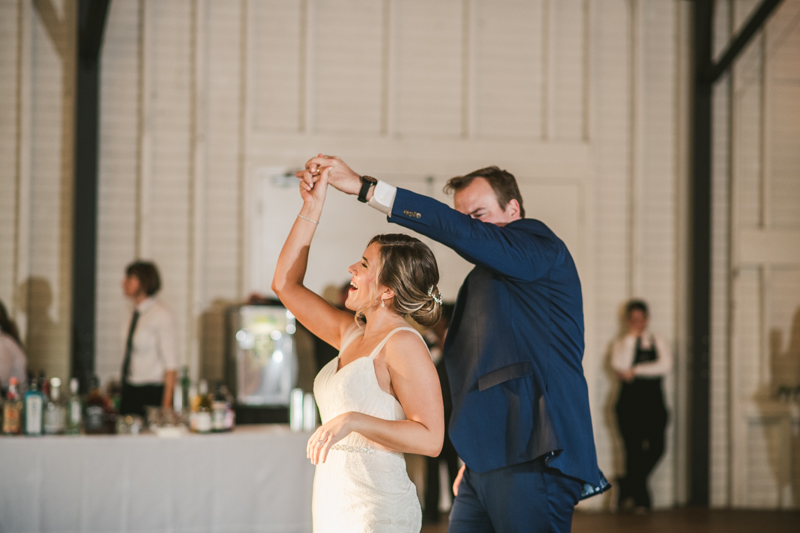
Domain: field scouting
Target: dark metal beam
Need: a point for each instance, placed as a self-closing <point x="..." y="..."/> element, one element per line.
<point x="700" y="250"/>
<point x="91" y="23"/>
<point x="757" y="19"/>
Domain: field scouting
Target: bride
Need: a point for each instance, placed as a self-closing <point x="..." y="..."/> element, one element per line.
<point x="380" y="397"/>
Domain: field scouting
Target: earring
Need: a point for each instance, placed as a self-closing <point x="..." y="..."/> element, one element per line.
<point x="383" y="303"/>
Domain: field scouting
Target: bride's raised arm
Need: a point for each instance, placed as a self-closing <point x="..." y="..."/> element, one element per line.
<point x="323" y="319"/>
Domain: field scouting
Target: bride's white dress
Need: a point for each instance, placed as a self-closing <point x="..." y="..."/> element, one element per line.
<point x="362" y="486"/>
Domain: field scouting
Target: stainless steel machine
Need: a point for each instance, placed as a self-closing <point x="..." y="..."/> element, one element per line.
<point x="261" y="365"/>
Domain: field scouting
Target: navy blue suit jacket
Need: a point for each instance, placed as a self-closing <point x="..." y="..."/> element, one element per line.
<point x="515" y="344"/>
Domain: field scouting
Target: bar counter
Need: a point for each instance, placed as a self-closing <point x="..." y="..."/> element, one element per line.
<point x="256" y="478"/>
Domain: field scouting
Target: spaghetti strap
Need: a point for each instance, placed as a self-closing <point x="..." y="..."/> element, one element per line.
<point x="386" y="338"/>
<point x="349" y="336"/>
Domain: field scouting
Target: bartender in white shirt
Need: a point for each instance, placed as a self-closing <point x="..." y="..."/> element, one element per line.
<point x="640" y="359"/>
<point x="150" y="363"/>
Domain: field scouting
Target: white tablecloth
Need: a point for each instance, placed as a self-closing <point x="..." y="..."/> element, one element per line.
<point x="254" y="479"/>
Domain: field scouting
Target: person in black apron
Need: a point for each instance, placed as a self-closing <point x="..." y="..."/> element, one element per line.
<point x="640" y="360"/>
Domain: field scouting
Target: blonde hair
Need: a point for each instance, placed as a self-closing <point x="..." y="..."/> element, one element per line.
<point x="409" y="268"/>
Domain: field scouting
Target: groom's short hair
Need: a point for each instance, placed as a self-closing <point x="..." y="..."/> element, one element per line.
<point x="503" y="183"/>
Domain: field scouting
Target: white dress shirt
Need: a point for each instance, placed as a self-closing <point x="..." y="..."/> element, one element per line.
<point x="12" y="360"/>
<point x="624" y="351"/>
<point x="383" y="197"/>
<point x="154" y="343"/>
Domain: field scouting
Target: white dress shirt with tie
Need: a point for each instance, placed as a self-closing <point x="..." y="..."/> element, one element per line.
<point x="154" y="343"/>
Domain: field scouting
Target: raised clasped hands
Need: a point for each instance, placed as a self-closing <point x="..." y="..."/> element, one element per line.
<point x="313" y="187"/>
<point x="340" y="175"/>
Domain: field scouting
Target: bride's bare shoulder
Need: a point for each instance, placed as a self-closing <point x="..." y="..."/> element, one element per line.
<point x="406" y="346"/>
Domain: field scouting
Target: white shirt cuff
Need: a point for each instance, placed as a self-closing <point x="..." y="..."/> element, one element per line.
<point x="383" y="198"/>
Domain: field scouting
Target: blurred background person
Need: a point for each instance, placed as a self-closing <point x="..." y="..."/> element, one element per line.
<point x="640" y="359"/>
<point x="150" y="365"/>
<point x="433" y="491"/>
<point x="12" y="356"/>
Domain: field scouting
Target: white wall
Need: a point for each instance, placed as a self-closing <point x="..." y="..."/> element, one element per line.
<point x="584" y="101"/>
<point x="756" y="450"/>
<point x="37" y="50"/>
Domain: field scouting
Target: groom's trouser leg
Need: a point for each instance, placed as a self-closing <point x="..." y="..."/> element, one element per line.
<point x="528" y="498"/>
<point x="469" y="514"/>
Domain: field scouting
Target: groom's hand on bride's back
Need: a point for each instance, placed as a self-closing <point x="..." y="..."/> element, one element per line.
<point x="340" y="176"/>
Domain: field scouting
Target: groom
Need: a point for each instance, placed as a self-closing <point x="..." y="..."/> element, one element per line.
<point x="521" y="420"/>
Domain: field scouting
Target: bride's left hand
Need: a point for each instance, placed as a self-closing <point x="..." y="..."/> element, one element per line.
<point x="327" y="435"/>
<point x="315" y="194"/>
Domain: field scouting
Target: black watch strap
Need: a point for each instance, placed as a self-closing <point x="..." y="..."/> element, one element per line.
<point x="366" y="183"/>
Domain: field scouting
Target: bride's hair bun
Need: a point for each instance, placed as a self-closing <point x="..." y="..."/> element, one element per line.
<point x="409" y="268"/>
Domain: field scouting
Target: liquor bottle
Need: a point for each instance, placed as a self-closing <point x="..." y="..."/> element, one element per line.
<point x="186" y="385"/>
<point x="221" y="409"/>
<point x="34" y="410"/>
<point x="203" y="420"/>
<point x="194" y="402"/>
<point x="110" y="408"/>
<point x="12" y="410"/>
<point x="44" y="385"/>
<point x="95" y="409"/>
<point x="74" y="409"/>
<point x="230" y="413"/>
<point x="54" y="413"/>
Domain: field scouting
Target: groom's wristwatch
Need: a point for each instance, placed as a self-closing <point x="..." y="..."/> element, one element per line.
<point x="366" y="183"/>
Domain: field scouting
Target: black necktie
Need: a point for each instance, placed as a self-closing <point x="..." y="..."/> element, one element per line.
<point x="126" y="365"/>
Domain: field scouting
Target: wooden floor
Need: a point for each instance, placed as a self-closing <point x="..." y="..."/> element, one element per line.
<point x="676" y="521"/>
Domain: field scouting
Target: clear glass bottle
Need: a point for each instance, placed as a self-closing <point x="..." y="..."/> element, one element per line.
<point x="12" y="410"/>
<point x="203" y="423"/>
<point x="54" y="412"/>
<point x="74" y="409"/>
<point x="219" y="409"/>
<point x="34" y="410"/>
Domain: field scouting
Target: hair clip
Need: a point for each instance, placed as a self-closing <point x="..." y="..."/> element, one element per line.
<point x="437" y="299"/>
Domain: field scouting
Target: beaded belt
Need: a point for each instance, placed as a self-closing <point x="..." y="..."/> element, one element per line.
<point x="353" y="449"/>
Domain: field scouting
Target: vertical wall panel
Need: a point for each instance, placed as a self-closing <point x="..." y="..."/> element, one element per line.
<point x="784" y="183"/>
<point x="170" y="136"/>
<point x="346" y="73"/>
<point x="765" y="297"/>
<point x="48" y="289"/>
<point x="429" y="70"/>
<point x="748" y="120"/>
<point x="278" y="42"/>
<point x="747" y="318"/>
<point x="612" y="169"/>
<point x="119" y="129"/>
<point x="508" y="49"/>
<point x="656" y="215"/>
<point x="567" y="48"/>
<point x="9" y="108"/>
<point x="783" y="327"/>
<point x="218" y="275"/>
